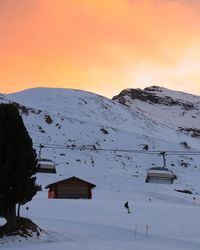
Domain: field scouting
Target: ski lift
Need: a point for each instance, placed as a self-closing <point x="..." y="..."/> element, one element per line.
<point x="160" y="175"/>
<point x="45" y="165"/>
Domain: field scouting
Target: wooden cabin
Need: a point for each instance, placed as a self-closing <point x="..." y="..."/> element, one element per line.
<point x="46" y="166"/>
<point x="160" y="175"/>
<point x="71" y="188"/>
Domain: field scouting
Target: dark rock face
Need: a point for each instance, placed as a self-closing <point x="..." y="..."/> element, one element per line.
<point x="48" y="119"/>
<point x="21" y="108"/>
<point x="149" y="95"/>
<point x="194" y="132"/>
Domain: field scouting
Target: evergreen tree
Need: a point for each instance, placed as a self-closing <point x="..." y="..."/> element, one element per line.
<point x="18" y="164"/>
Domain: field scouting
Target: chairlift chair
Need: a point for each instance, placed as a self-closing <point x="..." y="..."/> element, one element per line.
<point x="45" y="165"/>
<point x="160" y="175"/>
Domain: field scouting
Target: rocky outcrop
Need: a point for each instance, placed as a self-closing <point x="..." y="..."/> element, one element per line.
<point x="170" y="108"/>
<point x="150" y="95"/>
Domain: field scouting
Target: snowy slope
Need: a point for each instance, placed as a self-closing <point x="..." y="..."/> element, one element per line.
<point x="172" y="108"/>
<point x="78" y="118"/>
<point x="67" y="120"/>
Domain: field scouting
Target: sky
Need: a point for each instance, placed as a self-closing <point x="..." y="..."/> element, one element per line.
<point x="100" y="46"/>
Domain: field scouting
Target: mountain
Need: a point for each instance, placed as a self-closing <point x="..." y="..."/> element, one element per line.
<point x="72" y="123"/>
<point x="174" y="109"/>
<point x="103" y="141"/>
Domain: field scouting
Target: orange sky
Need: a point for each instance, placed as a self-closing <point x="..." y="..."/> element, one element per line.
<point x="100" y="46"/>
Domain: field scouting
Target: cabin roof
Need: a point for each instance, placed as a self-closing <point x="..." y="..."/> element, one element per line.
<point x="71" y="178"/>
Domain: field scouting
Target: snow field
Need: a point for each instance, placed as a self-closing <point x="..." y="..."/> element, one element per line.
<point x="103" y="222"/>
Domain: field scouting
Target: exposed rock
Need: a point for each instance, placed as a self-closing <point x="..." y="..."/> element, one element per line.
<point x="184" y="191"/>
<point x="25" y="110"/>
<point x="48" y="119"/>
<point x="104" y="131"/>
<point x="185" y="144"/>
<point x="194" y="132"/>
<point x="41" y="129"/>
<point x="25" y="228"/>
<point x="146" y="95"/>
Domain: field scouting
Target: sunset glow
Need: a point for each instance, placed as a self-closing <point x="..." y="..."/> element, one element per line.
<point x="100" y="46"/>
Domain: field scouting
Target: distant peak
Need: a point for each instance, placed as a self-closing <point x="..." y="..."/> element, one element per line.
<point x="155" y="95"/>
<point x="154" y="88"/>
<point x="133" y="91"/>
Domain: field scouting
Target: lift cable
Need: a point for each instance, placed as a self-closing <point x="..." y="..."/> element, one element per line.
<point x="136" y="151"/>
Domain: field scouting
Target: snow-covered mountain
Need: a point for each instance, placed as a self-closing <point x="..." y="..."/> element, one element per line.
<point x="172" y="108"/>
<point x="102" y="141"/>
<point x="67" y="120"/>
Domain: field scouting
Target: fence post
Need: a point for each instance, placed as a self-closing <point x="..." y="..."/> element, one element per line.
<point x="27" y="208"/>
<point x="135" y="233"/>
<point x="147" y="231"/>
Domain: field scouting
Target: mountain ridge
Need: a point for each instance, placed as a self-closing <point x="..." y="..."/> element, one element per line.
<point x="79" y="119"/>
<point x="153" y="101"/>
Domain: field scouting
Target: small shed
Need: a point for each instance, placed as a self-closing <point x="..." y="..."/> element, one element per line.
<point x="71" y="188"/>
<point x="46" y="166"/>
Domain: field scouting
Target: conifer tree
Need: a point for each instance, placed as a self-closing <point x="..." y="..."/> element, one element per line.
<point x="18" y="164"/>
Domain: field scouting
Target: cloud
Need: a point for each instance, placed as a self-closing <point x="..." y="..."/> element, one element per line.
<point x="188" y="3"/>
<point x="184" y="1"/>
<point x="93" y="44"/>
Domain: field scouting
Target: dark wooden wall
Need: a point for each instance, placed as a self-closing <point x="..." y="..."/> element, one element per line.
<point x="73" y="189"/>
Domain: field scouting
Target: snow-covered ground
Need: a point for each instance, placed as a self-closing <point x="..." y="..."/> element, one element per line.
<point x="169" y="221"/>
<point x="65" y="120"/>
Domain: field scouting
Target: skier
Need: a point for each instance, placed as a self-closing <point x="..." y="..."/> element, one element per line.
<point x="127" y="207"/>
